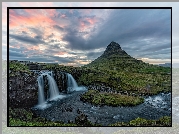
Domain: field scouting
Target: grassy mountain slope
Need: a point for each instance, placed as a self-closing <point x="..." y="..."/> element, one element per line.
<point x="118" y="69"/>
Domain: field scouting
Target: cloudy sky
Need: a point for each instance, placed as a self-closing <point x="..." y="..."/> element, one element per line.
<point x="78" y="36"/>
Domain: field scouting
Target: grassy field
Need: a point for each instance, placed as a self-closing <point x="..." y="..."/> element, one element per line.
<point x="110" y="99"/>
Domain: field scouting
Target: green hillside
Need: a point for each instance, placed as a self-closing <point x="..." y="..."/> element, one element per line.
<point x="115" y="68"/>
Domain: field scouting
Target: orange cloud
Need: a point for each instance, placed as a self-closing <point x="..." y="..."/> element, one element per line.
<point x="91" y="21"/>
<point x="61" y="53"/>
<point x="35" y="17"/>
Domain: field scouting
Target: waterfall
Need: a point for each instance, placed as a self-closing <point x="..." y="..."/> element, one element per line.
<point x="72" y="85"/>
<point x="41" y="98"/>
<point x="53" y="89"/>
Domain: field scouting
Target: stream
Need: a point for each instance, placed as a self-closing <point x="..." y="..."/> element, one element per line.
<point x="70" y="106"/>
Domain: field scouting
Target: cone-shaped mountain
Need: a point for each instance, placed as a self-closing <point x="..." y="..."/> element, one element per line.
<point x="113" y="48"/>
<point x="116" y="58"/>
<point x="115" y="68"/>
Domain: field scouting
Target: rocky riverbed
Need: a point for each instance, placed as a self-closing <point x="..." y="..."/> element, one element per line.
<point x="71" y="107"/>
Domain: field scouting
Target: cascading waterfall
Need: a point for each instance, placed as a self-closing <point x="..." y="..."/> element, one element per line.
<point x="72" y="85"/>
<point x="41" y="98"/>
<point x="53" y="89"/>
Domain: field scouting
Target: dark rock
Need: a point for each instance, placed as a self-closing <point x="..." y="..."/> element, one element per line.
<point x="113" y="48"/>
<point x="82" y="120"/>
<point x="23" y="93"/>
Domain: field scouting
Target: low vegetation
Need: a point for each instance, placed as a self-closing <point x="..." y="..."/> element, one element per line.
<point x="23" y="117"/>
<point x="17" y="68"/>
<point x="128" y="74"/>
<point x="110" y="99"/>
<point x="163" y="121"/>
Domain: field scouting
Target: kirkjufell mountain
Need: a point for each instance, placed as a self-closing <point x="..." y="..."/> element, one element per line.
<point x="113" y="48"/>
<point x="115" y="57"/>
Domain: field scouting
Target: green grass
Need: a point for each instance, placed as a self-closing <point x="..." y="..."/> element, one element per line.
<point x="24" y="117"/>
<point x="126" y="73"/>
<point x="18" y="122"/>
<point x="17" y="68"/>
<point x="110" y="99"/>
<point x="163" y="121"/>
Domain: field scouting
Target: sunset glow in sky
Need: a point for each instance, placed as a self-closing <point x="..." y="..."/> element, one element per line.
<point x="78" y="36"/>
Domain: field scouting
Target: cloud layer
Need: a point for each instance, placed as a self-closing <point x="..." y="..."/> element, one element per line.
<point x="78" y="36"/>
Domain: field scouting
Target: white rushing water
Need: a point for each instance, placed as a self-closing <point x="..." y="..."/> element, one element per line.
<point x="53" y="89"/>
<point x="53" y="92"/>
<point x="159" y="101"/>
<point x="72" y="85"/>
<point x="41" y="97"/>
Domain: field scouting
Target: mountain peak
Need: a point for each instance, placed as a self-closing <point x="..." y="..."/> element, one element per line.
<point x="113" y="48"/>
<point x="113" y="45"/>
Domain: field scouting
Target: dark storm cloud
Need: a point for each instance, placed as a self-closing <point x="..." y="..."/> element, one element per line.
<point x="61" y="59"/>
<point x="24" y="32"/>
<point x="147" y="46"/>
<point x="50" y="36"/>
<point x="126" y="26"/>
<point x="27" y="39"/>
<point x="36" y="31"/>
<point x="53" y="48"/>
<point x="52" y="41"/>
<point x="92" y="55"/>
<point x="40" y="58"/>
<point x="141" y="33"/>
<point x="83" y="19"/>
<point x="38" y="37"/>
<point x="51" y="51"/>
<point x="16" y="54"/>
<point x="76" y="42"/>
<point x="68" y="13"/>
<point x="15" y="49"/>
<point x="158" y="47"/>
<point x="33" y="59"/>
<point x="58" y="28"/>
